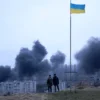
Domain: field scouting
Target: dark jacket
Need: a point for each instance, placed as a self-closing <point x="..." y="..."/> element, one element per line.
<point x="49" y="82"/>
<point x="55" y="80"/>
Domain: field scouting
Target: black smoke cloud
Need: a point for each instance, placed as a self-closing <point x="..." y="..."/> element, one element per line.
<point x="39" y="51"/>
<point x="89" y="57"/>
<point x="5" y="73"/>
<point x="57" y="62"/>
<point x="25" y="63"/>
<point x="44" y="66"/>
<point x="30" y="62"/>
<point x="57" y="59"/>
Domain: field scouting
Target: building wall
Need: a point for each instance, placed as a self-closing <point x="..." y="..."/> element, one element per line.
<point x="17" y="87"/>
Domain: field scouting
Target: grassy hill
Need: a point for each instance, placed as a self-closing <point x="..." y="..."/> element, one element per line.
<point x="79" y="95"/>
<point x="88" y="94"/>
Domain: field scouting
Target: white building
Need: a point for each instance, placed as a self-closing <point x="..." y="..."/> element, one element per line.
<point x="17" y="87"/>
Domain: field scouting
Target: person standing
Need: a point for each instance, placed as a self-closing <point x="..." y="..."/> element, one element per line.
<point x="56" y="82"/>
<point x="49" y="83"/>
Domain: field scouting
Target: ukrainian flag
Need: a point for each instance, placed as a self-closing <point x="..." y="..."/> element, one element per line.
<point x="77" y="8"/>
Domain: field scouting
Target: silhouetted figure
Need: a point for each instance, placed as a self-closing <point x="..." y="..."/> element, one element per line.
<point x="56" y="82"/>
<point x="49" y="83"/>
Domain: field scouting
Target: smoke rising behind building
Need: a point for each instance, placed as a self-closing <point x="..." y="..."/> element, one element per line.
<point x="89" y="57"/>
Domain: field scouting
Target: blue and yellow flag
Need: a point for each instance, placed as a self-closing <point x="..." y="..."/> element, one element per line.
<point x="77" y="8"/>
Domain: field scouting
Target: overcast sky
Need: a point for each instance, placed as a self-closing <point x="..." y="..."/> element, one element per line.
<point x="24" y="21"/>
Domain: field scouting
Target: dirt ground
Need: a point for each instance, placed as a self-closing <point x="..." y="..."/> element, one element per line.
<point x="86" y="94"/>
<point x="25" y="97"/>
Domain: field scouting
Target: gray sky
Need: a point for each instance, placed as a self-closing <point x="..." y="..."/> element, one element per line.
<point x="23" y="21"/>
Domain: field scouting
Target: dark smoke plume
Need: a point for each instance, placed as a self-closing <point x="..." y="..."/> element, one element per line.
<point x="89" y="57"/>
<point x="5" y="73"/>
<point x="44" y="68"/>
<point x="25" y="63"/>
<point x="57" y="59"/>
<point x="14" y="75"/>
<point x="39" y="51"/>
<point x="29" y="62"/>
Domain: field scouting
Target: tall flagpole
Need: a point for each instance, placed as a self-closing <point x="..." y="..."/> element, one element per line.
<point x="70" y="46"/>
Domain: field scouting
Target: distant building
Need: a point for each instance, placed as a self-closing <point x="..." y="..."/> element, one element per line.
<point x="17" y="87"/>
<point x="26" y="86"/>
